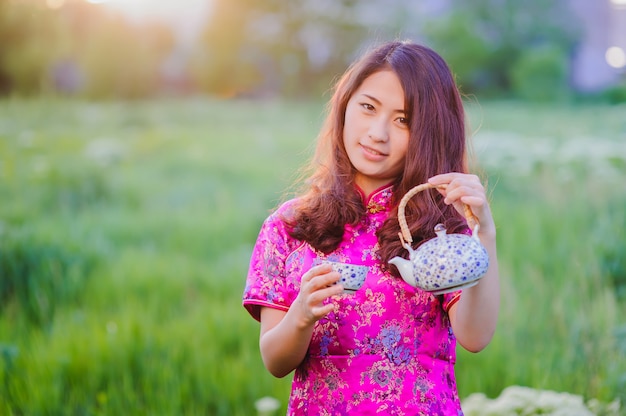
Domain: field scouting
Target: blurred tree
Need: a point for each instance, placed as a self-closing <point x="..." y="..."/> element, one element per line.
<point x="465" y="50"/>
<point x="484" y="40"/>
<point x="218" y="65"/>
<point x="78" y="47"/>
<point x="122" y="60"/>
<point x="272" y="46"/>
<point x="24" y="28"/>
<point x="541" y="74"/>
<point x="261" y="47"/>
<point x="117" y="58"/>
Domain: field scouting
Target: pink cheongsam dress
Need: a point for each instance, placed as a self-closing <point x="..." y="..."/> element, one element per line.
<point x="387" y="349"/>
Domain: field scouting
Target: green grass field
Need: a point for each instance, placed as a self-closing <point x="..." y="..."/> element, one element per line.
<point x="126" y="230"/>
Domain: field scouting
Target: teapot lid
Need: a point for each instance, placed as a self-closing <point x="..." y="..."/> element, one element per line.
<point x="440" y="230"/>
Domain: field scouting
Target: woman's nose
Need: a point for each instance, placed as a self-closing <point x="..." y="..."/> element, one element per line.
<point x="378" y="130"/>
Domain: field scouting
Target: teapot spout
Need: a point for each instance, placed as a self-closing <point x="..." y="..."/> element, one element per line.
<point x="405" y="267"/>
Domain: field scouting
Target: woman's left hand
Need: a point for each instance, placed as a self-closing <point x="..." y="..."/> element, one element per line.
<point x="463" y="188"/>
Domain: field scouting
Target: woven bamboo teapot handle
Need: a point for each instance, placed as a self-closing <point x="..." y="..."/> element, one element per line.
<point x="405" y="234"/>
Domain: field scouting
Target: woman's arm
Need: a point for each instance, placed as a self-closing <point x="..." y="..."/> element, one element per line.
<point x="285" y="336"/>
<point x="474" y="317"/>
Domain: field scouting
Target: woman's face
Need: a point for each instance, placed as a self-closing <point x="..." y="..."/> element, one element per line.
<point x="376" y="130"/>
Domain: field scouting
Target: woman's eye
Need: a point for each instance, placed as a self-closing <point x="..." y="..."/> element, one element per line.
<point x="403" y="120"/>
<point x="367" y="106"/>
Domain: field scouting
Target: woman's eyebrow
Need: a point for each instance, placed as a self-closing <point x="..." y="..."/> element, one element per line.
<point x="377" y="101"/>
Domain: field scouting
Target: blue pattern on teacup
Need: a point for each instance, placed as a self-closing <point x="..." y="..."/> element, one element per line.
<point x="352" y="275"/>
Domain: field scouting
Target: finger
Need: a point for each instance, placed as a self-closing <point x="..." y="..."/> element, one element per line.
<point x="322" y="281"/>
<point x="321" y="311"/>
<point x="470" y="181"/>
<point x="318" y="297"/>
<point x="473" y="201"/>
<point x="319" y="282"/>
<point x="443" y="179"/>
<point x="466" y="184"/>
<point x="316" y="302"/>
<point x="446" y="178"/>
<point x="478" y="206"/>
<point x="316" y="270"/>
<point x="456" y="194"/>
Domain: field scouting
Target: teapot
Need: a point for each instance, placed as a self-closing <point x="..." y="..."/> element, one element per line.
<point x="446" y="263"/>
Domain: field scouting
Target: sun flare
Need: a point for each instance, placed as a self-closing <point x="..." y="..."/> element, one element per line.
<point x="162" y="9"/>
<point x="616" y="57"/>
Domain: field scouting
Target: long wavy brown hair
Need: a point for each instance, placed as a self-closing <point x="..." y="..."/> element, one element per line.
<point x="437" y="145"/>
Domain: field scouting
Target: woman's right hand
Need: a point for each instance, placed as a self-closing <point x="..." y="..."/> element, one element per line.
<point x="285" y="336"/>
<point x="316" y="286"/>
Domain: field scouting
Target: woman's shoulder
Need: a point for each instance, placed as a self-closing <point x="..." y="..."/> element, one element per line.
<point x="285" y="209"/>
<point x="276" y="229"/>
<point x="282" y="214"/>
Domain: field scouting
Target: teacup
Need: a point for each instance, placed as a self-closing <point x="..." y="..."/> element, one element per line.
<point x="352" y="275"/>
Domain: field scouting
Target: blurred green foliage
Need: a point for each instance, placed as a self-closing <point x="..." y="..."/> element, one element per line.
<point x="126" y="230"/>
<point x="37" y="276"/>
<point x="541" y="74"/>
<point x="484" y="41"/>
<point x="292" y="48"/>
<point x="616" y="94"/>
<point x="23" y="62"/>
<point x="78" y="48"/>
<point x="271" y="47"/>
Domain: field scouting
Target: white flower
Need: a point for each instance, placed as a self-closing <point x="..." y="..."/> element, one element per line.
<point x="518" y="400"/>
<point x="105" y="151"/>
<point x="266" y="406"/>
<point x="500" y="150"/>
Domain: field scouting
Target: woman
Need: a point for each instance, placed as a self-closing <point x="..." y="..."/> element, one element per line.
<point x="395" y="121"/>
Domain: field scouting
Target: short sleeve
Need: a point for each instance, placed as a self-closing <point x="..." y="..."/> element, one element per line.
<point x="267" y="283"/>
<point x="450" y="299"/>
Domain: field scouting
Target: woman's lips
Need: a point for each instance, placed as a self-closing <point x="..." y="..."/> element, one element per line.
<point x="372" y="154"/>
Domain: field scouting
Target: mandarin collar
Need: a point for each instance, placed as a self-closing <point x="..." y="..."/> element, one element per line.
<point x="379" y="200"/>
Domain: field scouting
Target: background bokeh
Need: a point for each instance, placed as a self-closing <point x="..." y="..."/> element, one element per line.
<point x="143" y="142"/>
<point x="541" y="49"/>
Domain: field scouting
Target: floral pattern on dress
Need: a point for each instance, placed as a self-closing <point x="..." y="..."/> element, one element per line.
<point x="387" y="349"/>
